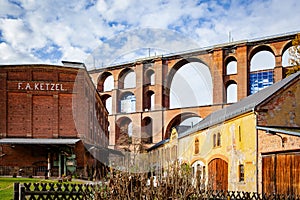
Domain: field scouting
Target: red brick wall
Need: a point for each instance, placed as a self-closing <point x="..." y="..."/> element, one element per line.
<point x="36" y="102"/>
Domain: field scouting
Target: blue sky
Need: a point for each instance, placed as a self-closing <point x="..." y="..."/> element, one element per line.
<point x="33" y="31"/>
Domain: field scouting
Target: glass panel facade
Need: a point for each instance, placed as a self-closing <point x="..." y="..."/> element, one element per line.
<point x="260" y="80"/>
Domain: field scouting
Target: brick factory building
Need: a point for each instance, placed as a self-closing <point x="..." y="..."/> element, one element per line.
<point x="50" y="119"/>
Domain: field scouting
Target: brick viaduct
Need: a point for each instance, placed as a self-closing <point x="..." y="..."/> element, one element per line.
<point x="154" y="75"/>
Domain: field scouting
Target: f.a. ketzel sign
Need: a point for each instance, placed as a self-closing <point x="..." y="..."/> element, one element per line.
<point x="41" y="86"/>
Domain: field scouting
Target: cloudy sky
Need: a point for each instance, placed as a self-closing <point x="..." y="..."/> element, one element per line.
<point x="33" y="31"/>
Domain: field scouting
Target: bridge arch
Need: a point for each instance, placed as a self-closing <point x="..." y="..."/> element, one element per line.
<point x="259" y="48"/>
<point x="127" y="79"/>
<point x="262" y="58"/>
<point x="123" y="131"/>
<point x="202" y="75"/>
<point x="177" y="120"/>
<point x="285" y="54"/>
<point x="105" y="82"/>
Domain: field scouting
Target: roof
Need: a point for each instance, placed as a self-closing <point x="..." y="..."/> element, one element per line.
<point x="243" y="106"/>
<point x="162" y="142"/>
<point x="38" y="141"/>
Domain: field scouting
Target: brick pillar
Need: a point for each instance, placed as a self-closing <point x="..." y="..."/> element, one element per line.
<point x="242" y="71"/>
<point x="217" y="76"/>
<point x="139" y="87"/>
<point x="158" y="88"/>
<point x="136" y="125"/>
<point x="112" y="129"/>
<point x="115" y="93"/>
<point x="278" y="70"/>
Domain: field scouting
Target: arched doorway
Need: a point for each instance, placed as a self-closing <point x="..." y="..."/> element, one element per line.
<point x="218" y="174"/>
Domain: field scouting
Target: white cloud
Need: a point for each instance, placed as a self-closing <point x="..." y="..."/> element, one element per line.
<point x="76" y="27"/>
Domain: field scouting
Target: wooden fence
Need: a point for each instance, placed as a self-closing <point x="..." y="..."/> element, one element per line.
<point x="37" y="191"/>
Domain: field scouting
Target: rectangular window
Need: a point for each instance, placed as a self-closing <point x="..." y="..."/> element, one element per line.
<point x="260" y="80"/>
<point x="241" y="173"/>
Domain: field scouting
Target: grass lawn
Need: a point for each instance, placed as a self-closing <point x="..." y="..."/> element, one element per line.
<point x="7" y="185"/>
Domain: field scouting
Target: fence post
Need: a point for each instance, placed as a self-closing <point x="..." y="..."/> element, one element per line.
<point x="22" y="192"/>
<point x="16" y="190"/>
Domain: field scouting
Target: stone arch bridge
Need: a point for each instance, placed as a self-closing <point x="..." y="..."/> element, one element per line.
<point x="139" y="95"/>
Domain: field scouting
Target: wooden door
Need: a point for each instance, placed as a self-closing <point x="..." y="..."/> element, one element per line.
<point x="218" y="174"/>
<point x="281" y="174"/>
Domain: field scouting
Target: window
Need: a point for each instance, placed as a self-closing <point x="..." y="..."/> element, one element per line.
<point x="196" y="146"/>
<point x="217" y="140"/>
<point x="231" y="68"/>
<point x="260" y="80"/>
<point x="214" y="140"/>
<point x="241" y="173"/>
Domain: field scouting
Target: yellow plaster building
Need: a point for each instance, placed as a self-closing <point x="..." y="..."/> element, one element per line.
<point x="232" y="148"/>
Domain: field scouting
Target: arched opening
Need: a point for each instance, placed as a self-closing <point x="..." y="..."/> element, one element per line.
<point x="186" y="90"/>
<point x="123" y="131"/>
<point x="262" y="60"/>
<point x="261" y="69"/>
<point x="127" y="79"/>
<point x="149" y="101"/>
<point x="107" y="100"/>
<point x="108" y="84"/>
<point x="199" y="174"/>
<point x="182" y="123"/>
<point x="231" y="92"/>
<point x="105" y="82"/>
<point x="127" y="103"/>
<point x="231" y="66"/>
<point x="150" y="77"/>
<point x="218" y="174"/>
<point x="147" y="135"/>
<point x="286" y="56"/>
<point x="108" y="105"/>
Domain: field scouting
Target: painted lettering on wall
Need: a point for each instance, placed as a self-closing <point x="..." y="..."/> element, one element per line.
<point x="41" y="86"/>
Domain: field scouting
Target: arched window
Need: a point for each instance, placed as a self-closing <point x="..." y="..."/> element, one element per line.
<point x="231" y="93"/>
<point x="214" y="140"/>
<point x="127" y="103"/>
<point x="218" y="139"/>
<point x="196" y="146"/>
<point x="231" y="67"/>
<point x="149" y="103"/>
